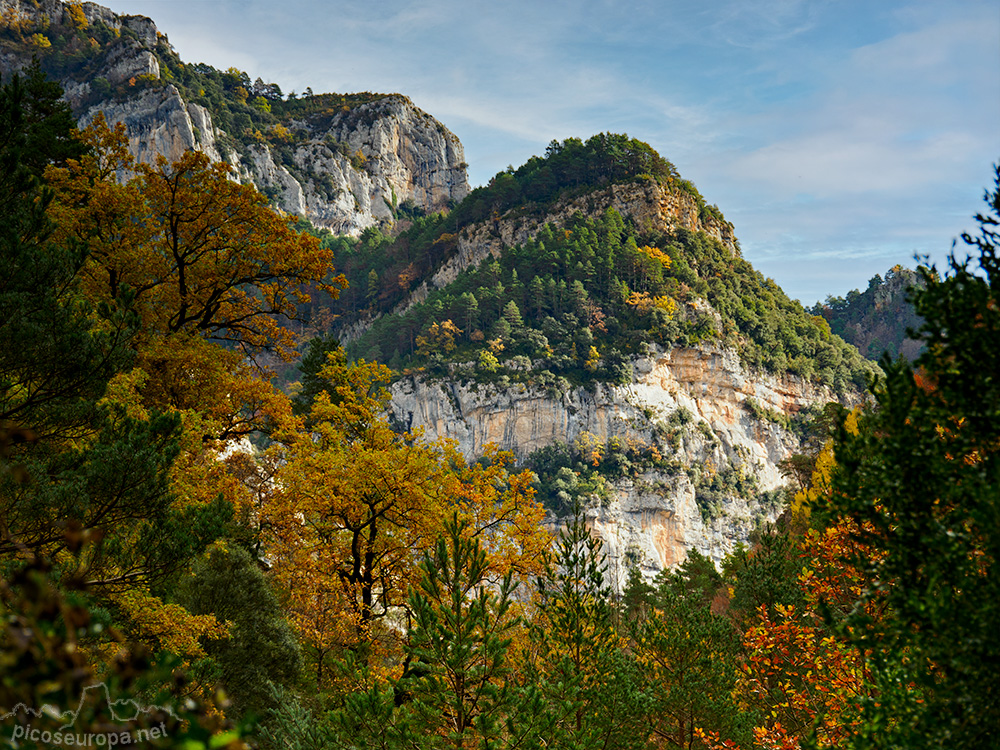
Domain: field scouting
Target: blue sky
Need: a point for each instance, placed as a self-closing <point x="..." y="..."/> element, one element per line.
<point x="839" y="137"/>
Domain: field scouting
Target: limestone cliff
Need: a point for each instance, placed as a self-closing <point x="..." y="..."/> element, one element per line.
<point x="698" y="406"/>
<point x="346" y="174"/>
<point x="406" y="155"/>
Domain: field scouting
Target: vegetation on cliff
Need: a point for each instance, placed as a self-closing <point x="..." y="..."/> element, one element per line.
<point x="880" y="319"/>
<point x="576" y="302"/>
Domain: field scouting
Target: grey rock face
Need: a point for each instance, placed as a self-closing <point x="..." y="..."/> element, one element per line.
<point x="159" y="122"/>
<point x="651" y="520"/>
<point x="394" y="151"/>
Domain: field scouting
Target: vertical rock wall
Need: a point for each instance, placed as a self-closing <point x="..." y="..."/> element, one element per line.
<point x="653" y="519"/>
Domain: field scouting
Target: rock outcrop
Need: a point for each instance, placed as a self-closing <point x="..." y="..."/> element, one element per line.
<point x="348" y="175"/>
<point x="159" y="122"/>
<point x="405" y="155"/>
<point x="647" y="203"/>
<point x="702" y="396"/>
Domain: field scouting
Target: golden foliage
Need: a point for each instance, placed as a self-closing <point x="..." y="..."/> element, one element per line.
<point x="354" y="505"/>
<point x="656" y="254"/>
<point x="644" y="303"/>
<point x="199" y="253"/>
<point x="74" y="10"/>
<point x="169" y="626"/>
<point x="439" y="337"/>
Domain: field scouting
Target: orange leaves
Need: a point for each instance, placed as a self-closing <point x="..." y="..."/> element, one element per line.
<point x="829" y="577"/>
<point x="196" y="252"/>
<point x="354" y="505"/>
<point x="800" y="677"/>
<point x="231" y="263"/>
<point x="502" y="513"/>
<point x="804" y="678"/>
<point x="191" y="259"/>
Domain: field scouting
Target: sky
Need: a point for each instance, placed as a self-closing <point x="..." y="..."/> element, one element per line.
<point x="840" y="137"/>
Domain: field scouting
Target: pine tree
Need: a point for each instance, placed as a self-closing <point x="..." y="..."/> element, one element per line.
<point x="592" y="685"/>
<point x="261" y="648"/>
<point x="460" y="637"/>
<point x="921" y="475"/>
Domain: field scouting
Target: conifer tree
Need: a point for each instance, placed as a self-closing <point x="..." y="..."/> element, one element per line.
<point x="922" y="476"/>
<point x="260" y="649"/>
<point x="592" y="685"/>
<point x="460" y="637"/>
<point x="688" y="657"/>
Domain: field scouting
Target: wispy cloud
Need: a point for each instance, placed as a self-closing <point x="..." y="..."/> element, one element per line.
<point x="763" y="24"/>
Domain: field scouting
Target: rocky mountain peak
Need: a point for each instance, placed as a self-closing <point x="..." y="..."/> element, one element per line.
<point x="345" y="162"/>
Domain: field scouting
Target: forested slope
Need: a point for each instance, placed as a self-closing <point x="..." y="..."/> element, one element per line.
<point x="574" y="301"/>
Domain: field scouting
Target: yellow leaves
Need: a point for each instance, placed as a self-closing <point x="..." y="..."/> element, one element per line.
<point x="14" y="20"/>
<point x="640" y="301"/>
<point x="280" y="133"/>
<point x="439" y="337"/>
<point x="851" y="422"/>
<point x="590" y="447"/>
<point x="643" y="303"/>
<point x="200" y="260"/>
<point x="665" y="303"/>
<point x="502" y="512"/>
<point x="168" y="626"/>
<point x="74" y="11"/>
<point x="820" y="483"/>
<point x="353" y="505"/>
<point x="488" y="361"/>
<point x="656" y="254"/>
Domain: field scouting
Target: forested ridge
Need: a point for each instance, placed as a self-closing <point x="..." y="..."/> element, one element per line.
<point x="878" y="320"/>
<point x="346" y="584"/>
<point x="576" y="302"/>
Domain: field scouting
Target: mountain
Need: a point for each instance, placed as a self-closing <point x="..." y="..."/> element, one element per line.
<point x="344" y="162"/>
<point x="589" y="311"/>
<point x="878" y="319"/>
